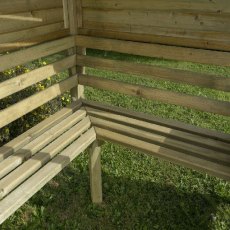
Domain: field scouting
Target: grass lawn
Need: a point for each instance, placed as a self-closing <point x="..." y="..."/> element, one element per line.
<point x="140" y="192"/>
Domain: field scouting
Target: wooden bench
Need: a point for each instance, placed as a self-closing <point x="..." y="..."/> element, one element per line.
<point x="32" y="159"/>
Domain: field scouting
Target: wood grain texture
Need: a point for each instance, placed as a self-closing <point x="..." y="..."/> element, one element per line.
<point x="21" y="173"/>
<point x="29" y="104"/>
<point x="26" y="20"/>
<point x="190" y="161"/>
<point x="25" y="5"/>
<point x="156" y="50"/>
<point x="155" y="72"/>
<point x="165" y="96"/>
<point x="184" y="5"/>
<point x="23" y="56"/>
<point x="23" y="81"/>
<point x="95" y="173"/>
<point x="24" y="192"/>
<point x="28" y="136"/>
<point x="168" y="123"/>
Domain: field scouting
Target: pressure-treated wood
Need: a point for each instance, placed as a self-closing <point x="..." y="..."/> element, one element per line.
<point x="38" y="143"/>
<point x="20" y="174"/>
<point x="199" y="24"/>
<point x="19" y="196"/>
<point x="21" y="82"/>
<point x="156" y="50"/>
<point x="29" y="104"/>
<point x="210" y="6"/>
<point x="95" y="172"/>
<point x="165" y="96"/>
<point x="167" y="123"/>
<point x="194" y="162"/>
<point x="23" y="56"/>
<point x="28" y="136"/>
<point x="155" y="72"/>
<point x="217" y="41"/>
<point x="15" y="6"/>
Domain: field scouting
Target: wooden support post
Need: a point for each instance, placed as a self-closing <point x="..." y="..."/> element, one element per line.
<point x="95" y="173"/>
<point x="75" y="21"/>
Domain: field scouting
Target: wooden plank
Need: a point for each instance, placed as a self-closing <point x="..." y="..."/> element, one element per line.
<point x="76" y="92"/>
<point x="220" y="6"/>
<point x="159" y="18"/>
<point x="95" y="173"/>
<point x="21" y="21"/>
<point x="24" y="192"/>
<point x="169" y="123"/>
<point x="214" y="40"/>
<point x="23" y="172"/>
<point x="162" y="140"/>
<point x="6" y="47"/>
<point x="200" y="164"/>
<point x="24" y="35"/>
<point x="66" y="15"/>
<point x="155" y="50"/>
<point x="29" y="104"/>
<point x="22" y="56"/>
<point x="15" y="6"/>
<point x="22" y="81"/>
<point x="28" y="136"/>
<point x="155" y="72"/>
<point x="38" y="143"/>
<point x="165" y="96"/>
<point x="182" y="136"/>
<point x="79" y="13"/>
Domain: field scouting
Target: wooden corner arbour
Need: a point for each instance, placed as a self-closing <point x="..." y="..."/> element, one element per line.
<point x="182" y="31"/>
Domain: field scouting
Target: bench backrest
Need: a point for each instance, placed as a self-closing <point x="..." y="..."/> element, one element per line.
<point x="184" y="31"/>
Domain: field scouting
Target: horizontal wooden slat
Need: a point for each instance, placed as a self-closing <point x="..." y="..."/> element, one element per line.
<point x="161" y="18"/>
<point x="6" y="47"/>
<point x="21" y="57"/>
<point x="21" y="82"/>
<point x="195" y="102"/>
<point x="198" y="5"/>
<point x="21" y="21"/>
<point x="14" y="6"/>
<point x="40" y="142"/>
<point x="169" y="123"/>
<point x="182" y="136"/>
<point x="19" y="196"/>
<point x="154" y="72"/>
<point x="155" y="50"/>
<point x="200" y="164"/>
<point x="178" y="37"/>
<point x="28" y="136"/>
<point x="20" y="174"/>
<point x="161" y="140"/>
<point x="27" y="105"/>
<point x="25" y="35"/>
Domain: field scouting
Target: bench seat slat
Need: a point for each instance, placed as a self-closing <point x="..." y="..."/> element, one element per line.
<point x="190" y="161"/>
<point x="37" y="144"/>
<point x="25" y="191"/>
<point x="161" y="130"/>
<point x="173" y="124"/>
<point x="37" y="130"/>
<point x="16" y="177"/>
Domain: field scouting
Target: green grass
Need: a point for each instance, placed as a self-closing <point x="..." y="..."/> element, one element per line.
<point x="140" y="192"/>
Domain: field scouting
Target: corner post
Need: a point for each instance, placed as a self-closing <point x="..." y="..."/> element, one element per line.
<point x="95" y="173"/>
<point x="75" y="21"/>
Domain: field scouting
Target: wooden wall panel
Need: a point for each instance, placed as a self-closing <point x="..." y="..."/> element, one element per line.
<point x="202" y="23"/>
<point x="29" y="22"/>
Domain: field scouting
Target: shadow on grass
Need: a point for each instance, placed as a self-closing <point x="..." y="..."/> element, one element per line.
<point x="128" y="204"/>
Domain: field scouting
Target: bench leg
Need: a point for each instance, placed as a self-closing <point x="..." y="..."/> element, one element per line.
<point x="95" y="172"/>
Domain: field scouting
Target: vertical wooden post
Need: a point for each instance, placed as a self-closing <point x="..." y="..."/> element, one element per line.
<point x="95" y="173"/>
<point x="75" y="21"/>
